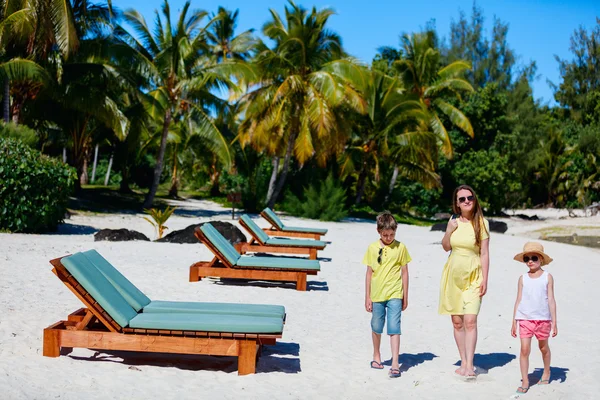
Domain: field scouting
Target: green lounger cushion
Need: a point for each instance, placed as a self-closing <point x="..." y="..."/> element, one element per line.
<point x="257" y="310"/>
<point x="128" y="290"/>
<point x="296" y="243"/>
<point x="96" y="284"/>
<point x="208" y="323"/>
<point x="304" y="230"/>
<point x="222" y="245"/>
<point x="258" y="233"/>
<point x="273" y="217"/>
<point x="279" y="263"/>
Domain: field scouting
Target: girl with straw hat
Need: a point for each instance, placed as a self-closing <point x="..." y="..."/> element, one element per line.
<point x="535" y="310"/>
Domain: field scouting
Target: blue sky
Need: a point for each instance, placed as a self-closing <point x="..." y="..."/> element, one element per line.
<point x="538" y="29"/>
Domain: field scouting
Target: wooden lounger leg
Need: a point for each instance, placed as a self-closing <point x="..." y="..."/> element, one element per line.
<point x="194" y="277"/>
<point x="313" y="254"/>
<point x="247" y="357"/>
<point x="301" y="282"/>
<point x="51" y="343"/>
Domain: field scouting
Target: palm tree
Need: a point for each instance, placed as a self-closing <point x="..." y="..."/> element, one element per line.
<point x="180" y="76"/>
<point x="296" y="102"/>
<point x="431" y="85"/>
<point x="222" y="39"/>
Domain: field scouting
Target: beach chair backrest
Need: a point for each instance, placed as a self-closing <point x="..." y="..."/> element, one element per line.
<point x="222" y="244"/>
<point x="102" y="291"/>
<point x="255" y="229"/>
<point x="273" y="217"/>
<point x="128" y="290"/>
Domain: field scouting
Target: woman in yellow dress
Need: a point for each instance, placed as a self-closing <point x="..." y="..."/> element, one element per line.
<point x="465" y="275"/>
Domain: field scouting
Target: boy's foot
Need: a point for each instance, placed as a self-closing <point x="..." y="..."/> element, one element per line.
<point x="522" y="389"/>
<point x="394" y="372"/>
<point x="376" y="365"/>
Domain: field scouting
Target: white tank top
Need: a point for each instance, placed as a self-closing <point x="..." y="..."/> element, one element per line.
<point x="534" y="299"/>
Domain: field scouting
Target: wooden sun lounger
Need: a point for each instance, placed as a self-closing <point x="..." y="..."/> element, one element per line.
<point x="221" y="267"/>
<point x="261" y="242"/>
<point x="93" y="327"/>
<point x="279" y="229"/>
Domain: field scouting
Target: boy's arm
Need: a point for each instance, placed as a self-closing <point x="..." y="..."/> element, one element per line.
<point x="485" y="265"/>
<point x="513" y="330"/>
<point x="404" y="272"/>
<point x="368" y="302"/>
<point x="552" y="305"/>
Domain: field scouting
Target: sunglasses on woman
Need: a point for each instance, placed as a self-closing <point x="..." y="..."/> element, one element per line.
<point x="532" y="258"/>
<point x="463" y="199"/>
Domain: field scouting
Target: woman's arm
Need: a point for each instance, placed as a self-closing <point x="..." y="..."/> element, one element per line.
<point x="484" y="253"/>
<point x="513" y="330"/>
<point x="552" y="305"/>
<point x="368" y="302"/>
<point x="451" y="227"/>
<point x="404" y="273"/>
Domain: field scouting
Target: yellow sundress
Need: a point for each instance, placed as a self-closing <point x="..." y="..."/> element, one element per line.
<point x="462" y="275"/>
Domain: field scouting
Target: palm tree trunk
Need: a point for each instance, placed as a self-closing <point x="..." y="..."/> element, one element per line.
<point x="392" y="183"/>
<point x="286" y="167"/>
<point x="6" y="101"/>
<point x="173" y="190"/>
<point x="273" y="178"/>
<point x="107" y="177"/>
<point x="95" y="163"/>
<point x="84" y="177"/>
<point x="360" y="185"/>
<point x="159" y="160"/>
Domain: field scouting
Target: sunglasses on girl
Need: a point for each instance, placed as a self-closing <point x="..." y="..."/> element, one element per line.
<point x="463" y="199"/>
<point x="532" y="258"/>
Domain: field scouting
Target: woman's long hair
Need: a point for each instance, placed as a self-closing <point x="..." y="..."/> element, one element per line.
<point x="476" y="218"/>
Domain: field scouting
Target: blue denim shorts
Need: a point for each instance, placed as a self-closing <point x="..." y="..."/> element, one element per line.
<point x="393" y="309"/>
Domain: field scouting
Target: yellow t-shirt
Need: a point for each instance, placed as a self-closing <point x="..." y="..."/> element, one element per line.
<point x="386" y="281"/>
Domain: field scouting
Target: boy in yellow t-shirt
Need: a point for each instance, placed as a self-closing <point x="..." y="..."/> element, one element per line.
<point x="386" y="288"/>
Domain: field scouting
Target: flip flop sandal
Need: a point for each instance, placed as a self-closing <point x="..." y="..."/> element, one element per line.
<point x="376" y="365"/>
<point x="544" y="382"/>
<point x="394" y="373"/>
<point x="523" y="390"/>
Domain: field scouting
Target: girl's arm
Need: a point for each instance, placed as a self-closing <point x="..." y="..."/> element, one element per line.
<point x="513" y="330"/>
<point x="485" y="264"/>
<point x="552" y="305"/>
<point x="404" y="273"/>
<point x="368" y="302"/>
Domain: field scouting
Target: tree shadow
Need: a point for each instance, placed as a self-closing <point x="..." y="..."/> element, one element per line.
<point x="74" y="229"/>
<point x="313" y="286"/>
<point x="271" y="359"/>
<point x="556" y="374"/>
<point x="196" y="213"/>
<point x="484" y="362"/>
<point x="407" y="360"/>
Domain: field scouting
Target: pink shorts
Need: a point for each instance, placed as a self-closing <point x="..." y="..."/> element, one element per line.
<point x="528" y="328"/>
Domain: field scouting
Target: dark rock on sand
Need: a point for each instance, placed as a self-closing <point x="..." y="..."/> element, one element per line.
<point x="495" y="226"/>
<point x="527" y="217"/>
<point x="229" y="231"/>
<point x="119" y="235"/>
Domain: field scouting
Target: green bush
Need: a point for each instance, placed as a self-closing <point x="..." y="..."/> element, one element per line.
<point x="34" y="189"/>
<point x="325" y="202"/>
<point x="19" y="132"/>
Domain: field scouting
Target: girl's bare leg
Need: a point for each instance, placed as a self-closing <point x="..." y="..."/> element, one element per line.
<point x="545" y="349"/>
<point x="524" y="361"/>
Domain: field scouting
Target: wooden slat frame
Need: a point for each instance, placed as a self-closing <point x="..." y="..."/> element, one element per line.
<point x="77" y="331"/>
<point x="220" y="267"/>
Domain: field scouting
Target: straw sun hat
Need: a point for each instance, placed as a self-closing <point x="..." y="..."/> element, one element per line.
<point x="535" y="248"/>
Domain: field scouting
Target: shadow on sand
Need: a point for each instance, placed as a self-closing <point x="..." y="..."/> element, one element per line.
<point x="314" y="286"/>
<point x="484" y="362"/>
<point x="556" y="374"/>
<point x="73" y="229"/>
<point x="282" y="357"/>
<point x="407" y="360"/>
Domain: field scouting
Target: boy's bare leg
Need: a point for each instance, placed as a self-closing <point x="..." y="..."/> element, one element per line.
<point x="524" y="361"/>
<point x="376" y="346"/>
<point x="459" y="337"/>
<point x="395" y="343"/>
<point x="545" y="349"/>
<point x="470" y="322"/>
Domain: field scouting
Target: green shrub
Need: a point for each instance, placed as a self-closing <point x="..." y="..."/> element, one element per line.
<point x="34" y="189"/>
<point x="325" y="202"/>
<point x="19" y="132"/>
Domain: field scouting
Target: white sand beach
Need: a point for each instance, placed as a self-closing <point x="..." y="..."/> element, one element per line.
<point x="326" y="346"/>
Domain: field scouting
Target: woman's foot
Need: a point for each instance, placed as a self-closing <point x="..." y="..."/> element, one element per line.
<point x="460" y="371"/>
<point x="470" y="373"/>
